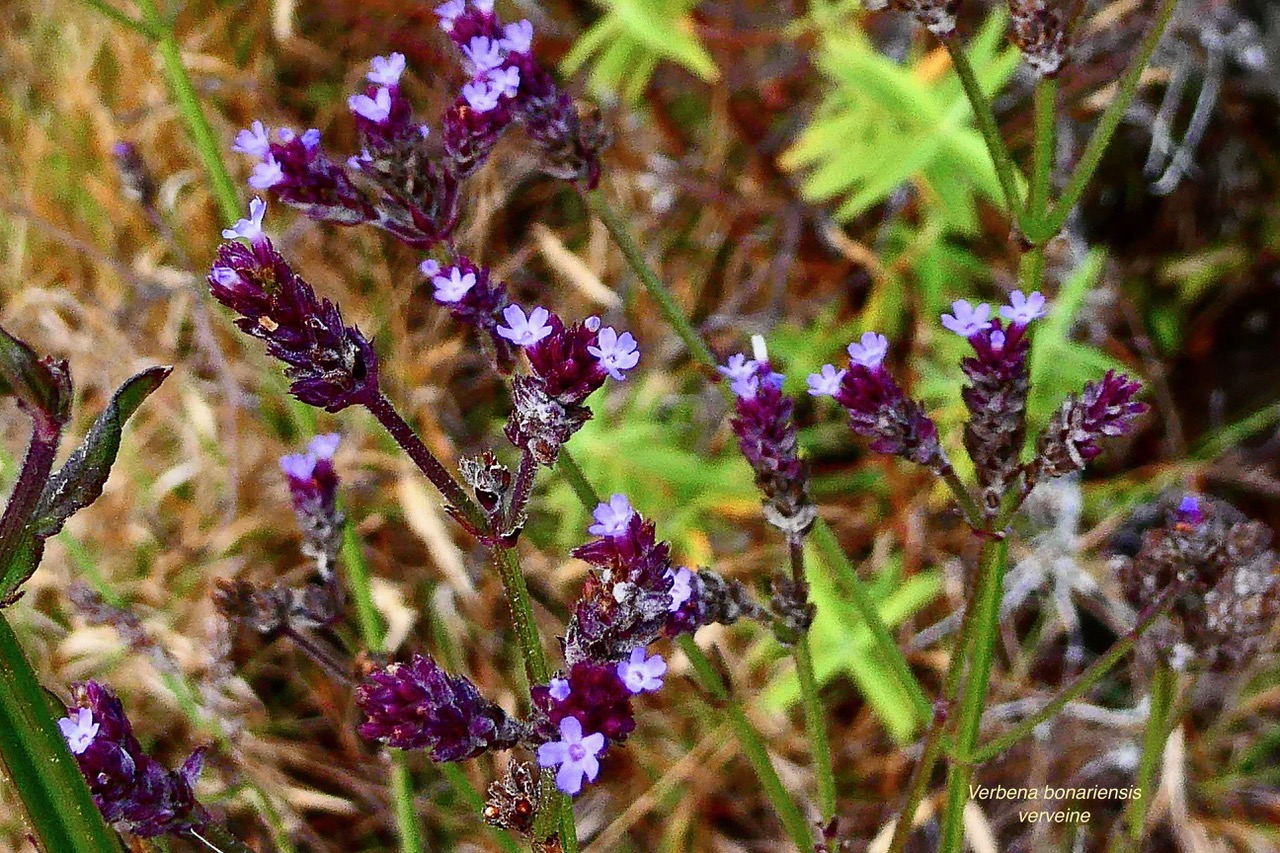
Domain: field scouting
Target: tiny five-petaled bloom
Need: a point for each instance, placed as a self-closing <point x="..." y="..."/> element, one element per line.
<point x="454" y="286"/>
<point x="524" y="331"/>
<point x="612" y="517"/>
<point x="870" y="350"/>
<point x="481" y="96"/>
<point x="386" y="69"/>
<point x="826" y="383"/>
<point x="641" y="673"/>
<point x="738" y="367"/>
<point x="255" y="141"/>
<point x="967" y="320"/>
<point x="251" y="228"/>
<point x="517" y="37"/>
<point x="558" y="689"/>
<point x="1023" y="309"/>
<point x="616" y="352"/>
<point x="79" y="730"/>
<point x="485" y="54"/>
<point x="376" y="109"/>
<point x="575" y="755"/>
<point x="266" y="174"/>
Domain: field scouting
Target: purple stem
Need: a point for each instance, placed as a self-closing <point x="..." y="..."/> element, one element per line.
<point x="26" y="492"/>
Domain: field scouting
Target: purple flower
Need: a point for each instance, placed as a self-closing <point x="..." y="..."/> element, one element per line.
<point x="298" y="467"/>
<point x="420" y="706"/>
<point x="266" y="174"/>
<point x="505" y="81"/>
<point x="870" y="350"/>
<point x="386" y="69"/>
<point x="826" y="383"/>
<point x="251" y="228"/>
<point x="558" y="689"/>
<point x="1105" y="408"/>
<point x="996" y="398"/>
<point x="1190" y="511"/>
<point x="525" y="331"/>
<point x="1023" y="309"/>
<point x="612" y="518"/>
<point x="129" y="787"/>
<point x="617" y="353"/>
<point x="767" y="437"/>
<point x="738" y="367"/>
<point x="574" y="755"/>
<point x="452" y="287"/>
<point x="481" y="96"/>
<point x="484" y="53"/>
<point x="596" y="698"/>
<point x="681" y="587"/>
<point x="79" y="730"/>
<point x="642" y="674"/>
<point x="517" y="37"/>
<point x="313" y="485"/>
<point x="449" y="11"/>
<point x="429" y="268"/>
<point x="255" y="141"/>
<point x="376" y="109"/>
<point x="310" y="139"/>
<point x="967" y="320"/>
<point x="879" y="410"/>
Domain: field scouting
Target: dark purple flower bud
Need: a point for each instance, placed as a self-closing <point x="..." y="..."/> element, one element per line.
<point x="767" y="438"/>
<point x="880" y="411"/>
<point x="470" y="134"/>
<point x="313" y="484"/>
<point x="1104" y="408"/>
<point x="597" y="698"/>
<point x="331" y="365"/>
<point x="420" y="706"/>
<point x="130" y="788"/>
<point x="996" y="398"/>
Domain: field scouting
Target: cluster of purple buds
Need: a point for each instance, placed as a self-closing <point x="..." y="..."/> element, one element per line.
<point x="937" y="16"/>
<point x="331" y="365"/>
<point x="1040" y="29"/>
<point x="767" y="437"/>
<point x="509" y="86"/>
<point x="475" y="299"/>
<point x="129" y="787"/>
<point x="313" y="486"/>
<point x="1223" y="578"/>
<point x="877" y="407"/>
<point x="567" y="364"/>
<point x="995" y="397"/>
<point x="633" y="597"/>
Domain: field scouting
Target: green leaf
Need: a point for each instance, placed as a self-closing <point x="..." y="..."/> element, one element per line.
<point x="42" y="385"/>
<point x="80" y="480"/>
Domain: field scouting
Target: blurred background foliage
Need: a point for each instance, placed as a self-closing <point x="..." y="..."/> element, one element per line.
<point x="805" y="171"/>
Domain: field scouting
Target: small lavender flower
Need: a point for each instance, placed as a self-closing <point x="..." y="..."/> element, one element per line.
<point x="129" y="787"/>
<point x="484" y="54"/>
<point x="454" y="286"/>
<point x="376" y="109"/>
<point x="266" y="174"/>
<point x="481" y="96"/>
<point x="617" y="353"/>
<point x="681" y="587"/>
<point x="738" y="367"/>
<point x="1022" y="309"/>
<point x="420" y="706"/>
<point x="612" y="518"/>
<point x="505" y="81"/>
<point x="254" y="141"/>
<point x="517" y="37"/>
<point x="525" y="331"/>
<point x="967" y="320"/>
<point x="596" y="698"/>
<point x="332" y="365"/>
<point x="1190" y="511"/>
<point x="386" y="70"/>
<point x="575" y="756"/>
<point x="79" y="730"/>
<point x="559" y="689"/>
<point x="641" y="673"/>
<point x="870" y="350"/>
<point x="449" y="11"/>
<point x="827" y="382"/>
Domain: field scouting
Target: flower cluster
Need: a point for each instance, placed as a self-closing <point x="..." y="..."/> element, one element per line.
<point x="129" y="787"/>
<point x="475" y="299"/>
<point x="996" y="399"/>
<point x="1223" y="578"/>
<point x="767" y="437"/>
<point x="332" y="365"/>
<point x="313" y="486"/>
<point x="633" y="597"/>
<point x="1041" y="29"/>
<point x="567" y="364"/>
<point x="402" y="180"/>
<point x="877" y="407"/>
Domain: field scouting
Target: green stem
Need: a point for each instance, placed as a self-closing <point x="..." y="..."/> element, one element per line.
<point x="1083" y="683"/>
<point x="407" y="827"/>
<point x="973" y="695"/>
<point x="816" y="725"/>
<point x="1097" y="145"/>
<point x="621" y="233"/>
<point x="517" y="591"/>
<point x="568" y="468"/>
<point x="1006" y="171"/>
<point x="1042" y="170"/>
<point x="40" y="768"/>
<point x="825" y="540"/>
<point x="188" y="103"/>
<point x="753" y="747"/>
<point x="968" y="506"/>
<point x="107" y="10"/>
<point x="1164" y="688"/>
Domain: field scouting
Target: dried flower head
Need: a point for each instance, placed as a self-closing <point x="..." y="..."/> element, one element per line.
<point x="1104" y="409"/>
<point x="1040" y="29"/>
